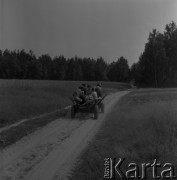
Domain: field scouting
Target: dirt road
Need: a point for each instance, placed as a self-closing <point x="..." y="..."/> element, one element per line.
<point x="51" y="152"/>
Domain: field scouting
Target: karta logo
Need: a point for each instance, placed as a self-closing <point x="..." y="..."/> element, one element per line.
<point x="114" y="170"/>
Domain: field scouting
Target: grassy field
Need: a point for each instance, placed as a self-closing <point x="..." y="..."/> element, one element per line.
<point x="142" y="127"/>
<point x="21" y="99"/>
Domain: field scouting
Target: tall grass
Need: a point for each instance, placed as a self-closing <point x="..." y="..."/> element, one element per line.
<point x="139" y="132"/>
<point x="24" y="99"/>
<point x="27" y="98"/>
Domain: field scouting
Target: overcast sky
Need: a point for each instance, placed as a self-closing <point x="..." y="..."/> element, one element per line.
<point x="86" y="28"/>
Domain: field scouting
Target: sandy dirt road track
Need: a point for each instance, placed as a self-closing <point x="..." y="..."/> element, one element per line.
<point x="51" y="152"/>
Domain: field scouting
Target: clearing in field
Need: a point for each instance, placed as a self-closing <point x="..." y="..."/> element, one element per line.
<point x="141" y="128"/>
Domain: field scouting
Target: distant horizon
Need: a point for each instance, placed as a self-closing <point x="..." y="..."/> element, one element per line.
<point x="95" y="28"/>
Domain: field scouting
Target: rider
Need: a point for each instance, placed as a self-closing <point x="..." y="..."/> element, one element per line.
<point x="76" y="98"/>
<point x="84" y="88"/>
<point x="94" y="94"/>
<point x="98" y="89"/>
<point x="80" y="93"/>
<point x="89" y="89"/>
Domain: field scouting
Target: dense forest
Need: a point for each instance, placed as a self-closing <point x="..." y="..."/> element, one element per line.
<point x="156" y="67"/>
<point x="25" y="65"/>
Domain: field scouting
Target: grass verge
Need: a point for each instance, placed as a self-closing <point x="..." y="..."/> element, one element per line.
<point x="14" y="134"/>
<point x="142" y="127"/>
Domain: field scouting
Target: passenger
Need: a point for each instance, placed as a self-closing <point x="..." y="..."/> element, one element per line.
<point x="98" y="89"/>
<point x="94" y="94"/>
<point x="90" y="98"/>
<point x="89" y="90"/>
<point x="84" y="88"/>
<point x="76" y="98"/>
<point x="80" y="93"/>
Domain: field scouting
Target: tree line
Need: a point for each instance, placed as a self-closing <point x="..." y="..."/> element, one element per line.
<point x="157" y="65"/>
<point x="19" y="64"/>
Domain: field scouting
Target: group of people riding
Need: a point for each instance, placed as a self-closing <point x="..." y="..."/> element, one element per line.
<point x="86" y="94"/>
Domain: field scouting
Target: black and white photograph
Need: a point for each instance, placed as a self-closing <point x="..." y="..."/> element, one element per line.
<point x="88" y="89"/>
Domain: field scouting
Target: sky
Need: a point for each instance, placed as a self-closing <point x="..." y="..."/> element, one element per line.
<point x="83" y="28"/>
